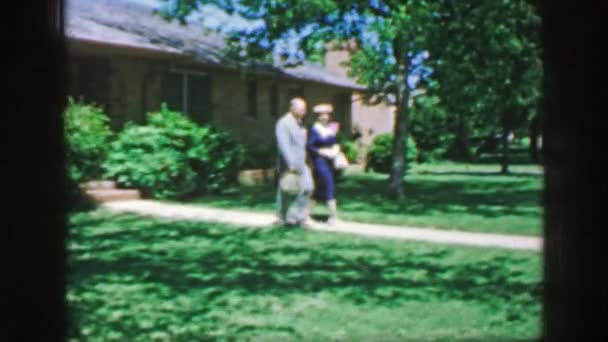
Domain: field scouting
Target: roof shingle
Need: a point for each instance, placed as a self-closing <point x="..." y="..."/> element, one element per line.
<point x="129" y="24"/>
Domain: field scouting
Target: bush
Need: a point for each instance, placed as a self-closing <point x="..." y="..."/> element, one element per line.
<point x="350" y="151"/>
<point x="146" y="158"/>
<point x="381" y="152"/>
<point x="225" y="158"/>
<point x="349" y="147"/>
<point x="214" y="154"/>
<point x="259" y="157"/>
<point x="177" y="158"/>
<point x="87" y="137"/>
<point x="186" y="137"/>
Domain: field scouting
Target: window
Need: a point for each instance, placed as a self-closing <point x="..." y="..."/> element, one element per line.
<point x="188" y="93"/>
<point x="92" y="82"/>
<point x="199" y="98"/>
<point x="172" y="89"/>
<point x="274" y="99"/>
<point x="252" y="98"/>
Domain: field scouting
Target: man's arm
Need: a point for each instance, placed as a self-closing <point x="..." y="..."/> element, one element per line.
<point x="283" y="138"/>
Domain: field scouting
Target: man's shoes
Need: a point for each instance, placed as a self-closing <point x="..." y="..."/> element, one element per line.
<point x="299" y="224"/>
<point x="278" y="222"/>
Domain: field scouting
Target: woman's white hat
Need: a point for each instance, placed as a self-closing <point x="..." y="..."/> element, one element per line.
<point x="323" y="108"/>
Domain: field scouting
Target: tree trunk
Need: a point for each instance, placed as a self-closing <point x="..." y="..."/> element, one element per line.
<point x="534" y="130"/>
<point x="400" y="132"/>
<point x="462" y="143"/>
<point x="504" y="161"/>
<point x="459" y="148"/>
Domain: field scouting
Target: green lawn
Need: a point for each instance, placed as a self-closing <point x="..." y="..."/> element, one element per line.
<point x="138" y="279"/>
<point x="447" y="196"/>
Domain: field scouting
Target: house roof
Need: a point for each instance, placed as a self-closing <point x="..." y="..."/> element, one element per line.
<point x="133" y="25"/>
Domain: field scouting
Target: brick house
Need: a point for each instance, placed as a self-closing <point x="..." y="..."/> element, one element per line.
<point x="379" y="118"/>
<point x="370" y="119"/>
<point x="129" y="61"/>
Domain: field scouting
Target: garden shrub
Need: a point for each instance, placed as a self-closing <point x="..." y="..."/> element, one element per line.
<point x="87" y="136"/>
<point x="144" y="157"/>
<point x="195" y="158"/>
<point x="225" y="159"/>
<point x="349" y="147"/>
<point x="381" y="152"/>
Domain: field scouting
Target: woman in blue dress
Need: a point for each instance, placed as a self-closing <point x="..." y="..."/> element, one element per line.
<point x="322" y="147"/>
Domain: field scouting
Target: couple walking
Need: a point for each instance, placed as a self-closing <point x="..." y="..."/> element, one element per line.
<point x="295" y="144"/>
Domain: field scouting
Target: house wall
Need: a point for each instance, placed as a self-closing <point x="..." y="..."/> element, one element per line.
<point x="128" y="88"/>
<point x="134" y="83"/>
<point x="377" y="118"/>
<point x="230" y="105"/>
<point x="136" y="89"/>
<point x="373" y="119"/>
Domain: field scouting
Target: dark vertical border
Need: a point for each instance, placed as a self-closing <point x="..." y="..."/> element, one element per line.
<point x="33" y="180"/>
<point x="575" y="260"/>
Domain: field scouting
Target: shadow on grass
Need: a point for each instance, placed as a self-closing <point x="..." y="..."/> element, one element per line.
<point x="213" y="265"/>
<point x="423" y="197"/>
<point x="481" y="174"/>
<point x="284" y="262"/>
<point x="516" y="157"/>
<point x="440" y="193"/>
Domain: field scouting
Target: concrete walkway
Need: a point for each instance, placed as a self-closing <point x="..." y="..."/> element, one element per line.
<point x="260" y="220"/>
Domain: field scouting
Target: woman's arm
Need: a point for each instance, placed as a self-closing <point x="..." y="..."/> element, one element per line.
<point x="327" y="141"/>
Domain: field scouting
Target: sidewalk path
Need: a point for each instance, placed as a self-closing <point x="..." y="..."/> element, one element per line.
<point x="258" y="220"/>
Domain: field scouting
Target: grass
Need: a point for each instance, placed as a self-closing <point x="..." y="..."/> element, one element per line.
<point x="446" y="196"/>
<point x="139" y="279"/>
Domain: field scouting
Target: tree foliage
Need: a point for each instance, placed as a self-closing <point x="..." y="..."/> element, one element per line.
<point x="485" y="55"/>
<point x="387" y="34"/>
<point x="488" y="62"/>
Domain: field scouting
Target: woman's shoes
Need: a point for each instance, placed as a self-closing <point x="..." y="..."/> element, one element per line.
<point x="307" y="223"/>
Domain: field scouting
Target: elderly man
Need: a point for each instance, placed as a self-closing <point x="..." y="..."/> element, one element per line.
<point x="291" y="139"/>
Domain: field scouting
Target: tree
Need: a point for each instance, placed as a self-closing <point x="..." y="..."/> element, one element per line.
<point x="389" y="34"/>
<point x="488" y="63"/>
<point x="535" y="133"/>
<point x="429" y="123"/>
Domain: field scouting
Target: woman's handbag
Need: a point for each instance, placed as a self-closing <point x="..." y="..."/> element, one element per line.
<point x="340" y="161"/>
